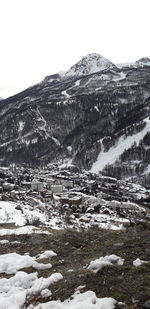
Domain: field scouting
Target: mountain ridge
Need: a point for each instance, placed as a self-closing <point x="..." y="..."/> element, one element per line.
<point x="67" y="116"/>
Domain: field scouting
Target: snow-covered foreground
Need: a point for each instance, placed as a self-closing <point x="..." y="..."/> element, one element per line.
<point x="17" y="286"/>
<point x="15" y="290"/>
<point x="20" y="289"/>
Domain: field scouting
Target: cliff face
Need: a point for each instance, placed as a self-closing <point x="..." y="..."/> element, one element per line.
<point x="82" y="116"/>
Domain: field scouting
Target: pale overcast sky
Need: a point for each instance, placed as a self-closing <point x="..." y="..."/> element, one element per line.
<point x="43" y="37"/>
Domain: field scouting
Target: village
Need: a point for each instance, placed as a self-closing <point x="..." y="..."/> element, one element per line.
<point x="74" y="195"/>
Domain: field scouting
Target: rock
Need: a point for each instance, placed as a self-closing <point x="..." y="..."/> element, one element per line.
<point x="118" y="244"/>
<point x="146" y="305"/>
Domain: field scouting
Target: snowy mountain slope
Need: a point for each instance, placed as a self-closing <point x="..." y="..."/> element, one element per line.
<point x="124" y="143"/>
<point x="80" y="115"/>
<point x="90" y="64"/>
<point x="145" y="61"/>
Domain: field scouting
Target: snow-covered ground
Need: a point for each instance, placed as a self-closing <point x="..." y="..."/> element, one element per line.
<point x="24" y="218"/>
<point x="19" y="286"/>
<point x="15" y="290"/>
<point x="22" y="215"/>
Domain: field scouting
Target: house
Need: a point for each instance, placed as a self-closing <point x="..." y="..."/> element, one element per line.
<point x="109" y="182"/>
<point x="26" y="184"/>
<point x="68" y="184"/>
<point x="49" y="183"/>
<point x="37" y="186"/>
<point x="46" y="195"/>
<point x="74" y="200"/>
<point x="56" y="189"/>
<point x="120" y="206"/>
<point x="8" y="186"/>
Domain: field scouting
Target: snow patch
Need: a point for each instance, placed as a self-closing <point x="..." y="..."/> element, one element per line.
<point x="96" y="108"/>
<point x="9" y="214"/>
<point x="66" y="164"/>
<point x="21" y="126"/>
<point x="86" y="300"/>
<point x="77" y="83"/>
<point x="23" y="230"/>
<point x="69" y="148"/>
<point x="97" y="264"/>
<point x="47" y="254"/>
<point x="15" y="289"/>
<point x="64" y="93"/>
<point x="12" y="262"/>
<point x="122" y="76"/>
<point x="55" y="140"/>
<point x="147" y="171"/>
<point x="139" y="262"/>
<point x="4" y="242"/>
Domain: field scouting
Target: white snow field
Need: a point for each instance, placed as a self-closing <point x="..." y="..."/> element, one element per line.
<point x="18" y="213"/>
<point x="10" y="213"/>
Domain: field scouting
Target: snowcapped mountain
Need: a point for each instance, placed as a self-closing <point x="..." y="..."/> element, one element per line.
<point x="90" y="64"/>
<point x="143" y="61"/>
<point x="95" y="116"/>
<point x="137" y="64"/>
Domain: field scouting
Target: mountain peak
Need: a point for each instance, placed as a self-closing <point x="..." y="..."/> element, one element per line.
<point x="144" y="61"/>
<point x="90" y="64"/>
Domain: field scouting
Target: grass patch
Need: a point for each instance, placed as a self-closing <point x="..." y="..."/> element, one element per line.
<point x="75" y="250"/>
